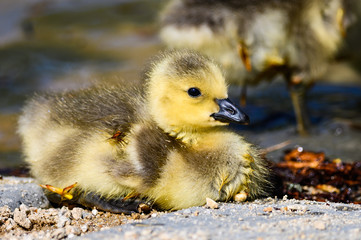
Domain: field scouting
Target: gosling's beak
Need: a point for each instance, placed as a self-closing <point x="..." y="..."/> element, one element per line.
<point x="229" y="113"/>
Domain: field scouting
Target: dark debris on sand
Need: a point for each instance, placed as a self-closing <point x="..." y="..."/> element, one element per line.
<point x="312" y="176"/>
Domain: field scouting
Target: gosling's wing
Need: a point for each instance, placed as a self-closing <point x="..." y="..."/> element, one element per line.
<point x="67" y="137"/>
<point x="105" y="108"/>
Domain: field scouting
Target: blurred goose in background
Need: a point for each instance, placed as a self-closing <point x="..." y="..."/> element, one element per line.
<point x="164" y="142"/>
<point x="261" y="39"/>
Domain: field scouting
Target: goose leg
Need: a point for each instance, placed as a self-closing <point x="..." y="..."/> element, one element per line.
<point x="298" y="92"/>
<point x="243" y="96"/>
<point x="128" y="206"/>
<point x="91" y="200"/>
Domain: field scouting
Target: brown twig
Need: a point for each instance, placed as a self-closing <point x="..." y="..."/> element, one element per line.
<point x="275" y="147"/>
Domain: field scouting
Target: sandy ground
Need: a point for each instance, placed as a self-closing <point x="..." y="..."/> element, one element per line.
<point x="262" y="219"/>
<point x="269" y="218"/>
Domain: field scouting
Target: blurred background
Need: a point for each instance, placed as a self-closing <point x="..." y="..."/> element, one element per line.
<point x="57" y="45"/>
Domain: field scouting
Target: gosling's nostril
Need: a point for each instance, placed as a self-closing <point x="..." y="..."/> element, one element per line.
<point x="231" y="111"/>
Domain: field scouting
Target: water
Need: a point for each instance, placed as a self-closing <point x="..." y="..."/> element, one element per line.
<point x="56" y="46"/>
<point x="63" y="46"/>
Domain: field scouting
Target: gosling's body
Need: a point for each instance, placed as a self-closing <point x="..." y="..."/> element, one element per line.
<point x="151" y="141"/>
<point x="258" y="40"/>
<point x="300" y="34"/>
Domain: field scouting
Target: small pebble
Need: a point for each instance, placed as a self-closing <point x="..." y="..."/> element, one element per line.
<point x="268" y="209"/>
<point x="24" y="208"/>
<point x="319" y="225"/>
<point x="240" y="197"/>
<point x="5" y="212"/>
<point x="187" y="212"/>
<point x="94" y="212"/>
<point x="77" y="213"/>
<point x="284" y="209"/>
<point x="297" y="207"/>
<point x="21" y="219"/>
<point x="58" y="233"/>
<point x="76" y="230"/>
<point x="72" y="230"/>
<point x="63" y="210"/>
<point x="62" y="221"/>
<point x="84" y="228"/>
<point x="68" y="230"/>
<point x="10" y="224"/>
<point x="87" y="215"/>
<point x="211" y="204"/>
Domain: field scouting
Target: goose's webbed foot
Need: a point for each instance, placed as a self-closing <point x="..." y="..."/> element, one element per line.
<point x="71" y="197"/>
<point x="126" y="206"/>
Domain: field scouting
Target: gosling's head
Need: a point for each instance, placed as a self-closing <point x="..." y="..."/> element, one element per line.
<point x="187" y="92"/>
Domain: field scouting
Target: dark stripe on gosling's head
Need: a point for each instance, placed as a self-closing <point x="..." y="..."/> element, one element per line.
<point x="180" y="63"/>
<point x="189" y="62"/>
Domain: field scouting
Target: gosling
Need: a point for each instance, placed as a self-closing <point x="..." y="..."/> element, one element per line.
<point x="165" y="141"/>
<point x="259" y="40"/>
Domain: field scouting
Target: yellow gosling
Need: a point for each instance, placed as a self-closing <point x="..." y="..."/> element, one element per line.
<point x="164" y="142"/>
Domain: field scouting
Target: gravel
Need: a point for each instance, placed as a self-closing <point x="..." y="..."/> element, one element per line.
<point x="25" y="213"/>
<point x="269" y="218"/>
<point x="56" y="223"/>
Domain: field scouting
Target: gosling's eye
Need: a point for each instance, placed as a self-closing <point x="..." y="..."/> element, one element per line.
<point x="194" y="92"/>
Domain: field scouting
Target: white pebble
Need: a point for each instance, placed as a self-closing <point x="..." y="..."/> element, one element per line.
<point x="71" y="235"/>
<point x="94" y="212"/>
<point x="21" y="219"/>
<point x="24" y="208"/>
<point x="319" y="225"/>
<point x="77" y="213"/>
<point x="62" y="221"/>
<point x="297" y="207"/>
<point x="187" y="211"/>
<point x="58" y="233"/>
<point x="211" y="203"/>
<point x="84" y="228"/>
<point x="10" y="224"/>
